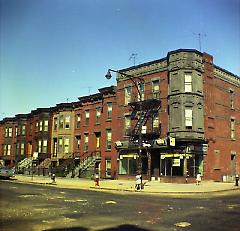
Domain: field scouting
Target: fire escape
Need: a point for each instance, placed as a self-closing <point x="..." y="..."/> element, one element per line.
<point x="143" y="113"/>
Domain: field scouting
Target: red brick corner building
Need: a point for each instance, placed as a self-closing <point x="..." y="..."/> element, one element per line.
<point x="191" y="118"/>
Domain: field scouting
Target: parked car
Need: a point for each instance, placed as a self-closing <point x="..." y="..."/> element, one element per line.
<point x="6" y="172"/>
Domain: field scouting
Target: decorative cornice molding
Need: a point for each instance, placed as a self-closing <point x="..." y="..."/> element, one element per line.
<point x="226" y="76"/>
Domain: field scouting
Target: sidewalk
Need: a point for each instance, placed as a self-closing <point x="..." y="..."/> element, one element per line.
<point x="128" y="185"/>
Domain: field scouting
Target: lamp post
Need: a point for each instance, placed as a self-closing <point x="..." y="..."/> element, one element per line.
<point x="140" y="94"/>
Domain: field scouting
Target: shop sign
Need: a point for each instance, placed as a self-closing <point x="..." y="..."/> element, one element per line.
<point x="170" y="155"/>
<point x="161" y="142"/>
<point x="176" y="163"/>
<point x="134" y="156"/>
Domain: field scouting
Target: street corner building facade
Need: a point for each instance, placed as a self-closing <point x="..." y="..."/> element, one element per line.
<point x="170" y="119"/>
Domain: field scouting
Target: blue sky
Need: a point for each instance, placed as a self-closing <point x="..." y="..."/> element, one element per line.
<point x="54" y="51"/>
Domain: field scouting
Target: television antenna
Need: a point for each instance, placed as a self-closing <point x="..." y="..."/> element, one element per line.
<point x="200" y="37"/>
<point x="133" y="57"/>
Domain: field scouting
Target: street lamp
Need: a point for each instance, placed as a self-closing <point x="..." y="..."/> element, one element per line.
<point x="140" y="94"/>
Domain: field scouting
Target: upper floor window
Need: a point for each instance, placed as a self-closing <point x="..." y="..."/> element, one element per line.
<point x="87" y="116"/>
<point x="67" y="121"/>
<point x="61" y="122"/>
<point x="9" y="149"/>
<point x="23" y="129"/>
<point x="44" y="147"/>
<point x="40" y="126"/>
<point x="188" y="82"/>
<point x="232" y="127"/>
<point x="16" y="131"/>
<point x="98" y="114"/>
<point x="8" y="132"/>
<point x="60" y="144"/>
<point x="109" y="110"/>
<point x="85" y="142"/>
<point x="39" y="145"/>
<point x="78" y="122"/>
<point x="45" y="125"/>
<point x="109" y="139"/>
<point x="141" y="91"/>
<point x="127" y="95"/>
<point x="231" y="99"/>
<point x="78" y="142"/>
<point x="127" y="125"/>
<point x="55" y="123"/>
<point x="37" y="126"/>
<point x="66" y="145"/>
<point x="155" y="89"/>
<point x="98" y="139"/>
<point x="22" y="148"/>
<point x="188" y="118"/>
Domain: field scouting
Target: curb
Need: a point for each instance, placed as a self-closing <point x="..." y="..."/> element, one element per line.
<point x="132" y="190"/>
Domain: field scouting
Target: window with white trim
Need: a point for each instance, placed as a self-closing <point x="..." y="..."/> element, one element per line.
<point x="109" y="139"/>
<point x="232" y="127"/>
<point x="155" y="89"/>
<point x="67" y="121"/>
<point x="66" y="145"/>
<point x="188" y="82"/>
<point x="22" y="149"/>
<point x="44" y="148"/>
<point x="87" y="116"/>
<point x="85" y="142"/>
<point x="188" y="118"/>
<point x="78" y="124"/>
<point x="128" y="95"/>
<point x="98" y="114"/>
<point x="45" y="125"/>
<point x="109" y="110"/>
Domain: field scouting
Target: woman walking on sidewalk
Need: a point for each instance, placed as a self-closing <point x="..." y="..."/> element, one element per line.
<point x="198" y="179"/>
<point x="138" y="181"/>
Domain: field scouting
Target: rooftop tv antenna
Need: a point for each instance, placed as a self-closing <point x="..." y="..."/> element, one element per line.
<point x="133" y="57"/>
<point x="200" y="36"/>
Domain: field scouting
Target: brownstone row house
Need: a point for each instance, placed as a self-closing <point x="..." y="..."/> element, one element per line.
<point x="169" y="118"/>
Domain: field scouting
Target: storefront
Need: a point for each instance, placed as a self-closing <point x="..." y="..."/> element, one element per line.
<point x="159" y="163"/>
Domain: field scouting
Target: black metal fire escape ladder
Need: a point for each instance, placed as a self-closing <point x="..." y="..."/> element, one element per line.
<point x="142" y="111"/>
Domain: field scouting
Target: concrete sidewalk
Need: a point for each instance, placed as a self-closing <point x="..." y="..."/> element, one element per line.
<point x="129" y="185"/>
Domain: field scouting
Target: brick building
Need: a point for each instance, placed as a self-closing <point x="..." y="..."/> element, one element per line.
<point x="176" y="116"/>
<point x="194" y="128"/>
<point x="95" y="131"/>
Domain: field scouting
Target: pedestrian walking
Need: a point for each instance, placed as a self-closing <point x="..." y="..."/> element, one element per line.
<point x="53" y="177"/>
<point x="138" y="181"/>
<point x="186" y="179"/>
<point x="198" y="179"/>
<point x="96" y="179"/>
<point x="236" y="180"/>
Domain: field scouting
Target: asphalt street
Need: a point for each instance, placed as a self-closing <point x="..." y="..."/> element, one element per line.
<point x="40" y="207"/>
